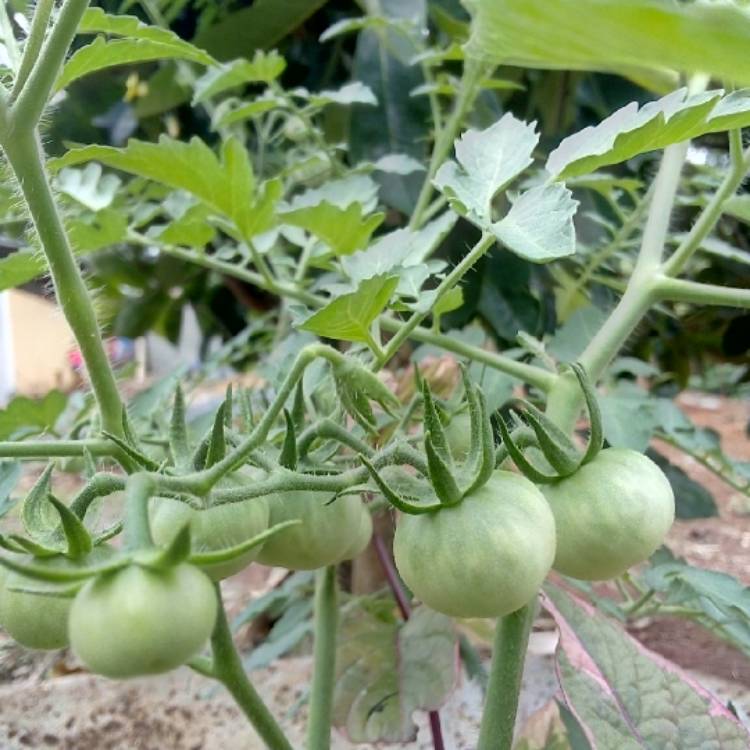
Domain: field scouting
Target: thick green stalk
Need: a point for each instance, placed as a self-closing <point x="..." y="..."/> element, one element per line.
<point x="565" y="398"/>
<point x="228" y="669"/>
<point x="682" y="290"/>
<point x="324" y="660"/>
<point x="26" y="159"/>
<point x="25" y="156"/>
<point x="42" y="449"/>
<point x="508" y="655"/>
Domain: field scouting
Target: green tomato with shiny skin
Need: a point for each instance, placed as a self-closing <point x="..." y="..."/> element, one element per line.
<point x="613" y="513"/>
<point x="487" y="556"/>
<point x="458" y="435"/>
<point x="330" y="532"/>
<point x="141" y="621"/>
<point x="212" y="529"/>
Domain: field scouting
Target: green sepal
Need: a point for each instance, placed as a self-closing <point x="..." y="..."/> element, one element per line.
<point x="523" y="437"/>
<point x="246" y="407"/>
<point x="524" y="465"/>
<point x="230" y="553"/>
<point x="108" y="533"/>
<point x="177" y="551"/>
<point x="132" y="452"/>
<point x="288" y="457"/>
<point x="178" y="434"/>
<point x="217" y="444"/>
<point x="127" y="429"/>
<point x="596" y="436"/>
<point x="29" y="546"/>
<point x="441" y="475"/>
<point x="10" y="543"/>
<point x="298" y="407"/>
<point x="46" y="573"/>
<point x="38" y="516"/>
<point x="77" y="537"/>
<point x="556" y="446"/>
<point x="481" y="423"/>
<point x="228" y="407"/>
<point x="398" y="502"/>
<point x="433" y="425"/>
<point x="201" y="452"/>
<point x="358" y="407"/>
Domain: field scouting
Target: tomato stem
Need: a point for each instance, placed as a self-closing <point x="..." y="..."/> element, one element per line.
<point x="228" y="669"/>
<point x="324" y="659"/>
<point x="509" y="652"/>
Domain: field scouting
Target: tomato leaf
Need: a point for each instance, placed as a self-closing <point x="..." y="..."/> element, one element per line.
<point x="539" y="226"/>
<point x="610" y="35"/>
<point x="265" y="67"/>
<point x="723" y="601"/>
<point x="140" y="43"/>
<point x="632" y="130"/>
<point x="623" y="695"/>
<point x="351" y="93"/>
<point x="343" y="230"/>
<point x="27" y="416"/>
<point x="348" y="317"/>
<point x="487" y="161"/>
<point x="40" y="519"/>
<point x="387" y="670"/>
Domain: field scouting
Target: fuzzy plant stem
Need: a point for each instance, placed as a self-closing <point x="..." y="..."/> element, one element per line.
<point x="508" y="656"/>
<point x="228" y="670"/>
<point x="324" y="659"/>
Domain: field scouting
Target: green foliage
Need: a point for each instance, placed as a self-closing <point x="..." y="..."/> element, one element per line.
<point x="631" y="38"/>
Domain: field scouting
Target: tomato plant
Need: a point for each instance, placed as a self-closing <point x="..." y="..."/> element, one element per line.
<point x="338" y="230"/>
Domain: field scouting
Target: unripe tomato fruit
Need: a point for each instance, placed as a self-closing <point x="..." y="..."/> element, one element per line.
<point x="138" y="621"/>
<point x="329" y="532"/>
<point x="37" y="621"/>
<point x="486" y="556"/>
<point x="212" y="529"/>
<point x="612" y="513"/>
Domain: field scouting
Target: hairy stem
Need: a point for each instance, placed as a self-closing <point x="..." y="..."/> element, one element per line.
<point x="228" y="669"/>
<point x="681" y="290"/>
<point x="42" y="449"/>
<point x="138" y="491"/>
<point x="324" y="659"/>
<point x="34" y="96"/>
<point x="33" y="45"/>
<point x="467" y="263"/>
<point x="508" y="655"/>
<point x="26" y="159"/>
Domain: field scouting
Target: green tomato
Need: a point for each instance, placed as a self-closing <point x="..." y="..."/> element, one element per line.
<point x="612" y="513"/>
<point x="329" y="532"/>
<point x="486" y="556"/>
<point x="458" y="434"/>
<point x="139" y="621"/>
<point x="35" y="620"/>
<point x="212" y="529"/>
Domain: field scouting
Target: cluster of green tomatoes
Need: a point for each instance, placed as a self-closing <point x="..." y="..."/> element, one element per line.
<point x="471" y="539"/>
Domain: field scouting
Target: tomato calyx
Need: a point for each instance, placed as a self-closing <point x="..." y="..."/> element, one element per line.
<point x="448" y="480"/>
<point x="542" y="433"/>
